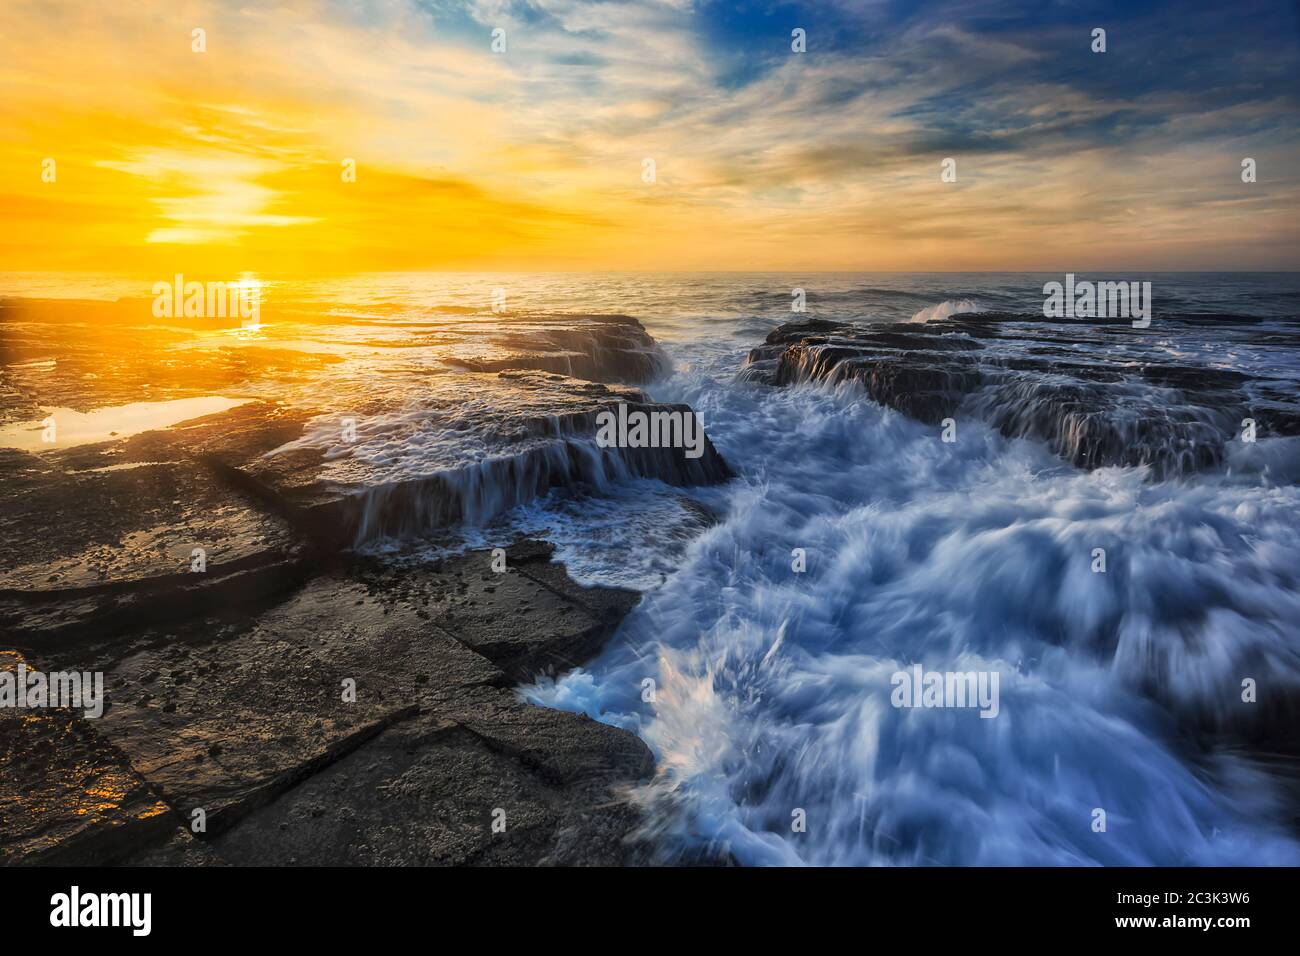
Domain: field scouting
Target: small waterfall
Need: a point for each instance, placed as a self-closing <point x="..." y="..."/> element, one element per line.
<point x="562" y="453"/>
<point x="1174" y="419"/>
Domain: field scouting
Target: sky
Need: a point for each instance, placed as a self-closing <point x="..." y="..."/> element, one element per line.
<point x="128" y="150"/>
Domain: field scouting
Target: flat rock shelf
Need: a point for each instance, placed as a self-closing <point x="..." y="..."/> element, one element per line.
<point x="241" y="718"/>
<point x="275" y="692"/>
<point x="1098" y="393"/>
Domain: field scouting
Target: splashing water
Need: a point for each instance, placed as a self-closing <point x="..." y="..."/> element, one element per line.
<point x="771" y="701"/>
<point x="772" y="688"/>
<point x="943" y="310"/>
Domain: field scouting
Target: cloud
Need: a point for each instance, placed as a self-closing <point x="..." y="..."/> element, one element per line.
<point x="765" y="158"/>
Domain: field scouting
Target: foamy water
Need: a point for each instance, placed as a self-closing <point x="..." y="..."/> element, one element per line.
<point x="772" y="688"/>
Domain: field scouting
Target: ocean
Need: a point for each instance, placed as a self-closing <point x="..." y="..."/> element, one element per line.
<point x="765" y="691"/>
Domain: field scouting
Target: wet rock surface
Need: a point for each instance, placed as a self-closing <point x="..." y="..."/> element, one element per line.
<point x="351" y="720"/>
<point x="66" y="796"/>
<point x="1098" y="393"/>
<point x="381" y="427"/>
<point x="104" y="536"/>
<point x="136" y="508"/>
<point x="598" y="348"/>
<point x="272" y="696"/>
<point x="453" y="460"/>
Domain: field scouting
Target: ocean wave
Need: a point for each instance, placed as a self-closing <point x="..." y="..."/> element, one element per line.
<point x="944" y="309"/>
<point x="772" y="688"/>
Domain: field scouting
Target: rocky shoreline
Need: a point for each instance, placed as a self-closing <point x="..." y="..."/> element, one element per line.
<point x="279" y="694"/>
<point x="289" y="708"/>
<point x="1097" y="393"/>
<point x="290" y="703"/>
<point x="275" y="696"/>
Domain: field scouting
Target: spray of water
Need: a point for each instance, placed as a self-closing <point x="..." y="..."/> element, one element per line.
<point x="772" y="688"/>
<point x="943" y="310"/>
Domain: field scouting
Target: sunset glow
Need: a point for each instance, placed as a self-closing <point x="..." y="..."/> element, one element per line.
<point x="532" y="158"/>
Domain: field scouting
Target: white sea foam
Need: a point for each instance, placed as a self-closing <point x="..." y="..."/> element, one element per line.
<point x="772" y="687"/>
<point x="944" y="309"/>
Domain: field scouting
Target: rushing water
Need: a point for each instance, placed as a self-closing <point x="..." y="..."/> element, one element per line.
<point x="772" y="688"/>
<point x="771" y="699"/>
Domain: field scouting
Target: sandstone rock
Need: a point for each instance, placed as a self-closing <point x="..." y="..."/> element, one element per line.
<point x="1051" y="381"/>
<point x="65" y="796"/>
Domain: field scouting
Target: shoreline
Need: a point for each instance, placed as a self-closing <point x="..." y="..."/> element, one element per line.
<point x="273" y="696"/>
<point x="435" y="761"/>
